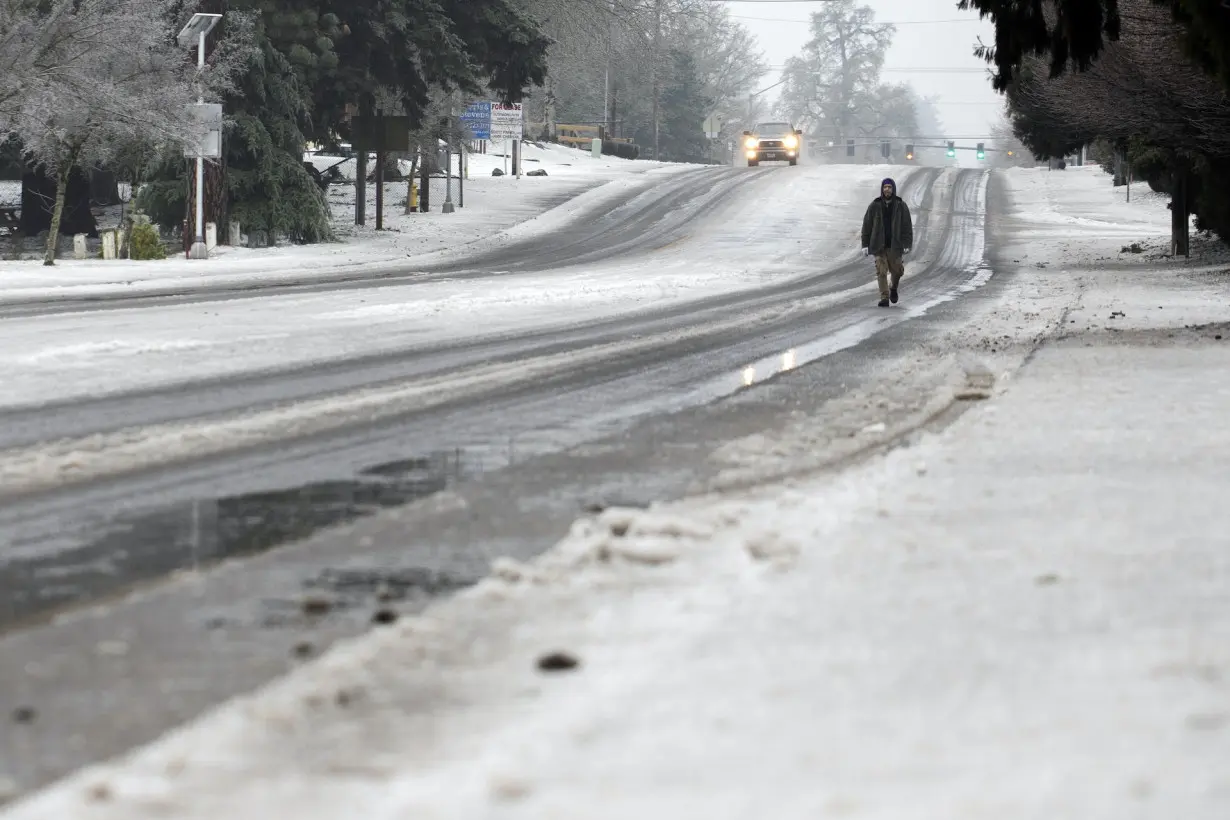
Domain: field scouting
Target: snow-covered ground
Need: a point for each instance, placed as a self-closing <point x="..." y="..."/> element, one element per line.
<point x="492" y="205"/>
<point x="76" y="354"/>
<point x="1023" y="614"/>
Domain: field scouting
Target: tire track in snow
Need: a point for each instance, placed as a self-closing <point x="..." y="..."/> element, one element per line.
<point x="828" y="306"/>
<point x="607" y="230"/>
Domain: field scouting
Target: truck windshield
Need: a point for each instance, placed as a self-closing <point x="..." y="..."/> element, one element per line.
<point x="774" y="129"/>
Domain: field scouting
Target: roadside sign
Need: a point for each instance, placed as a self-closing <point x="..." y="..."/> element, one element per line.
<point x="713" y="126"/>
<point x="507" y="121"/>
<point x="207" y="131"/>
<point x="477" y="120"/>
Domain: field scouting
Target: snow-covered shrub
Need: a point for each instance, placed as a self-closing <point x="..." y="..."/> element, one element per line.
<point x="145" y="242"/>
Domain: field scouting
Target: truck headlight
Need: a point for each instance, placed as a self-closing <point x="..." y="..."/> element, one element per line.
<point x="791" y="142"/>
<point x="751" y="143"/>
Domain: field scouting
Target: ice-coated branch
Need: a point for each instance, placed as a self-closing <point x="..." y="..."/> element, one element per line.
<point x="1140" y="86"/>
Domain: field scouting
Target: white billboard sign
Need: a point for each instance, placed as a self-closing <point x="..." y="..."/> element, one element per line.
<point x="507" y="121"/>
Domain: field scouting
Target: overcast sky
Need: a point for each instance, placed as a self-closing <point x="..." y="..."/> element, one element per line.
<point x="933" y="37"/>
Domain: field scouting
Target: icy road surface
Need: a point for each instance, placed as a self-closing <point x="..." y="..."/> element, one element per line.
<point x="153" y="436"/>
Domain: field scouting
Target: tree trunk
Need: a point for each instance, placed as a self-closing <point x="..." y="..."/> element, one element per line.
<point x="188" y="234"/>
<point x="549" y="107"/>
<point x="1180" y="215"/>
<point x="57" y="211"/>
<point x="359" y="143"/>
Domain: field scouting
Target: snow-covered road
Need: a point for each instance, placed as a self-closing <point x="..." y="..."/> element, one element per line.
<point x="768" y="230"/>
<point x="1018" y="610"/>
<point x="284" y="413"/>
<point x="782" y="304"/>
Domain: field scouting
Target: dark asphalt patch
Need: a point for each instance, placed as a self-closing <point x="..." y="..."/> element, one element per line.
<point x="137" y="548"/>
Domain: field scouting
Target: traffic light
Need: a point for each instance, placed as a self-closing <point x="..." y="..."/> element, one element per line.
<point x="981" y="153"/>
<point x="909" y="151"/>
<point x="849" y="148"/>
<point x="952" y="148"/>
<point x="884" y="151"/>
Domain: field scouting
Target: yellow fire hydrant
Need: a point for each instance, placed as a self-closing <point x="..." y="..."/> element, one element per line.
<point x="414" y="197"/>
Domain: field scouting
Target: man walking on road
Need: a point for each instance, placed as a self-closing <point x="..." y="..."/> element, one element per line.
<point x="888" y="233"/>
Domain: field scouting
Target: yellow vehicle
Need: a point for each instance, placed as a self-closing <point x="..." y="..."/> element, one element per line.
<point x="772" y="142"/>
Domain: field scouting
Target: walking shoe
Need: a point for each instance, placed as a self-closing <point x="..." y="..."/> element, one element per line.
<point x="892" y="296"/>
<point x="883" y="303"/>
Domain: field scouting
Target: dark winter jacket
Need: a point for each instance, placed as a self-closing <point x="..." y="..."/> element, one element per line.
<point x="900" y="231"/>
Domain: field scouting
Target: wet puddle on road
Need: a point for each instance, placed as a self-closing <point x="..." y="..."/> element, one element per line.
<point x="140" y="547"/>
<point x="129" y="549"/>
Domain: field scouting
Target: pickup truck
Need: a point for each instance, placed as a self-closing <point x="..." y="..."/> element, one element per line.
<point x="772" y="142"/>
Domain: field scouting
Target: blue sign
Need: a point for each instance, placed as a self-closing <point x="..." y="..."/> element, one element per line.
<point x="477" y="120"/>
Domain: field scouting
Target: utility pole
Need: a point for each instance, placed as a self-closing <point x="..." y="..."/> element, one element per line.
<point x="657" y="71"/>
<point x="606" y="92"/>
<point x="380" y="148"/>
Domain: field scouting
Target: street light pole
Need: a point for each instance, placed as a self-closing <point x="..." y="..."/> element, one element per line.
<point x="199" y="26"/>
<point x="199" y="249"/>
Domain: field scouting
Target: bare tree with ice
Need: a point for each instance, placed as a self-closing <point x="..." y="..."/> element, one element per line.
<point x="85" y="79"/>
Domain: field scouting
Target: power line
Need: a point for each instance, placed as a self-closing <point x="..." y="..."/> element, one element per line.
<point x="878" y="22"/>
<point x="916" y="140"/>
<point x="918" y="70"/>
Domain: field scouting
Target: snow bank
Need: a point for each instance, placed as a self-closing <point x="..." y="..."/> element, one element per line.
<point x="1021" y="616"/>
<point x="1080" y="213"/>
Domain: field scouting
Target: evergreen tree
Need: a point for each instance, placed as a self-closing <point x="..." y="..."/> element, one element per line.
<point x="1206" y="34"/>
<point x="267" y="187"/>
<point x="684" y="108"/>
<point x="321" y="60"/>
<point x="413" y="46"/>
<point x="1077" y="32"/>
